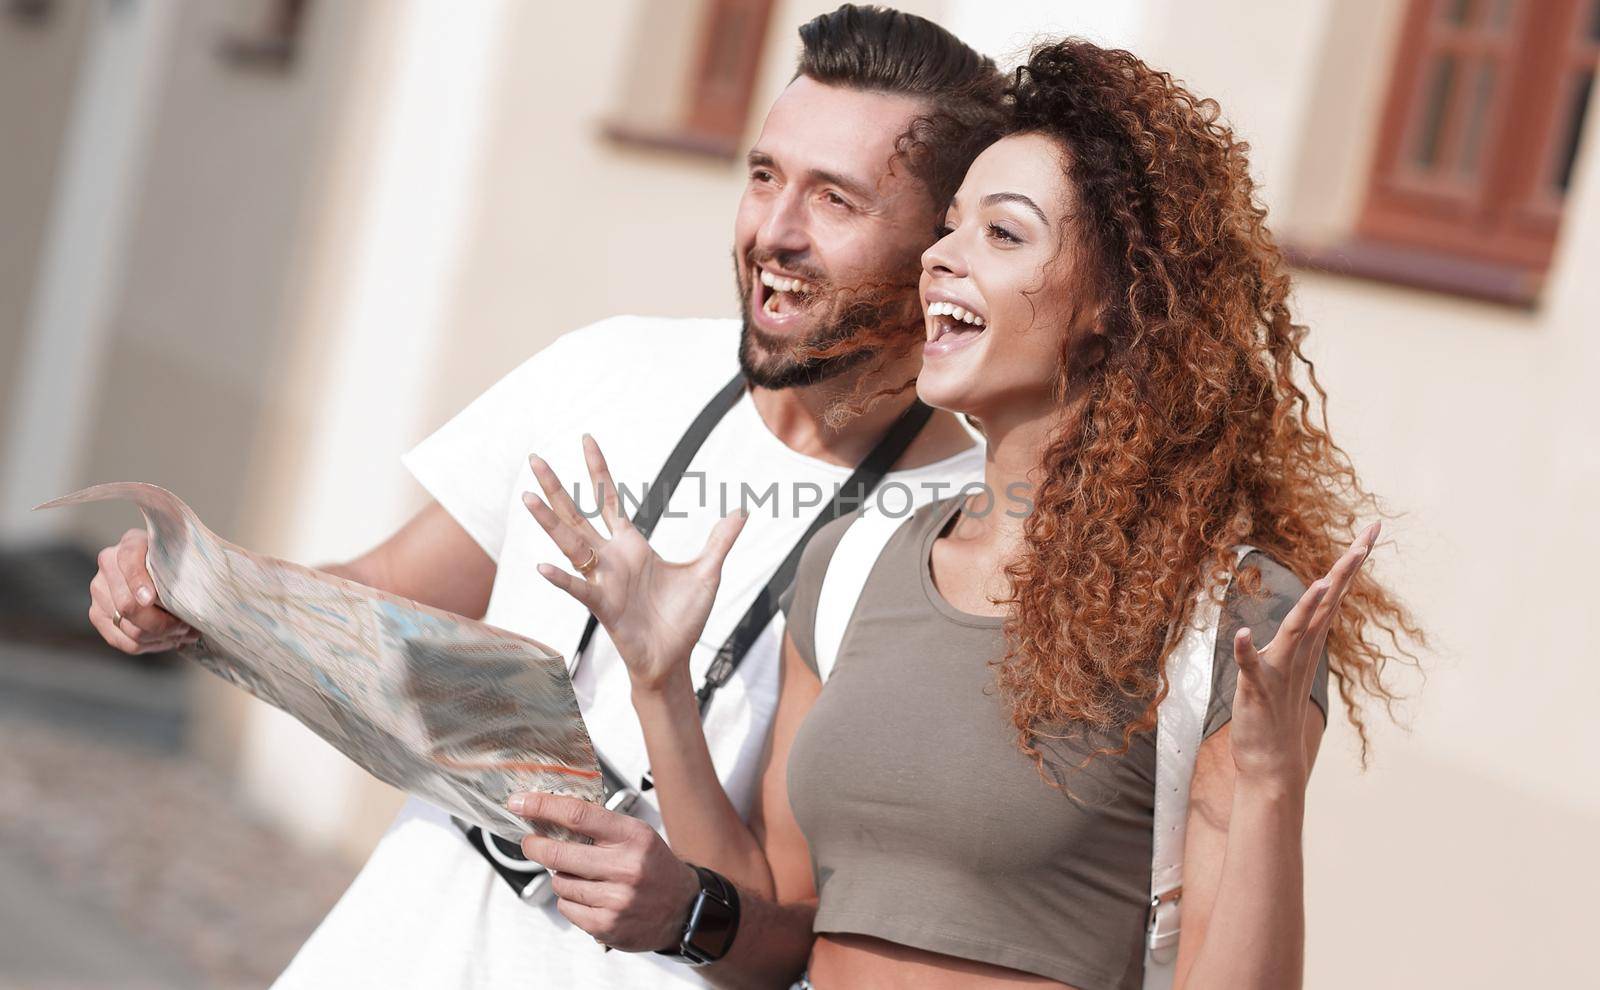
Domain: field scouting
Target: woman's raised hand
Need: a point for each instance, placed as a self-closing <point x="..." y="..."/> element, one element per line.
<point x="1272" y="700"/>
<point x="653" y="609"/>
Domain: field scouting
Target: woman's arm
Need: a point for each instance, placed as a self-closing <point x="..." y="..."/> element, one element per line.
<point x="628" y="890"/>
<point x="1243" y="908"/>
<point x="1243" y="896"/>
<point x="701" y="823"/>
<point x="654" y="611"/>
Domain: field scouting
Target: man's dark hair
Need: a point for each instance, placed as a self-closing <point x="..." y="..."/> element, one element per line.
<point x="877" y="49"/>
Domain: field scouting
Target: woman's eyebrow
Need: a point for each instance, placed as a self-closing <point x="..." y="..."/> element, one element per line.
<point x="994" y="199"/>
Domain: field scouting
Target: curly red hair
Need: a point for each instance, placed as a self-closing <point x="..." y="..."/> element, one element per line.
<point x="1193" y="434"/>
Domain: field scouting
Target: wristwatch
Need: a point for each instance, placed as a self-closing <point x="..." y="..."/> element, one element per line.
<point x="712" y="923"/>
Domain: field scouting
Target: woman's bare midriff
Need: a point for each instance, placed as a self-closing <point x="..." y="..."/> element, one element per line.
<point x="848" y="962"/>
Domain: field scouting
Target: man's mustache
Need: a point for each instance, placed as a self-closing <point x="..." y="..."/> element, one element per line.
<point x="801" y="271"/>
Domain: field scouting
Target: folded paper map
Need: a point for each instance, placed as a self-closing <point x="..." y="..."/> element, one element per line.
<point x="454" y="711"/>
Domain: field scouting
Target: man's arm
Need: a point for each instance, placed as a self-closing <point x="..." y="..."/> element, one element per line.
<point x="431" y="559"/>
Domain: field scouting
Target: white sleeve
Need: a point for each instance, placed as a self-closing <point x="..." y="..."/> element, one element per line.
<point x="471" y="463"/>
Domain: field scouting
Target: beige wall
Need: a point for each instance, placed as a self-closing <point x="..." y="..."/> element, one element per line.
<point x="38" y="77"/>
<point x="196" y="336"/>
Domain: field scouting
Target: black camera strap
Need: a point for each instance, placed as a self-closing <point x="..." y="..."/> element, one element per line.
<point x="850" y="496"/>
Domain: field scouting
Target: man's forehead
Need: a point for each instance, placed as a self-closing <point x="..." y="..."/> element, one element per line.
<point x="821" y="127"/>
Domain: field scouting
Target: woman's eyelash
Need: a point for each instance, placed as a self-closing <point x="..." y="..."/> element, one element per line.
<point x="943" y="230"/>
<point x="995" y="230"/>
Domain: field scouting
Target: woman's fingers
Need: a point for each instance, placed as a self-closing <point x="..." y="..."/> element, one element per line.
<point x="1292" y="631"/>
<point x="1343" y="575"/>
<point x="577" y="587"/>
<point x="721" y="540"/>
<point x="605" y="488"/>
<point x="1343" y="571"/>
<point x="560" y="501"/>
<point x="574" y="546"/>
<point x="1247" y="658"/>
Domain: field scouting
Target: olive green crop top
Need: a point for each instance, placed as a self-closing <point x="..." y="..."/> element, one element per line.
<point x="928" y="827"/>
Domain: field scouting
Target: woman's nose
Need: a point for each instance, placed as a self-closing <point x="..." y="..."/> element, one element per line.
<point x="943" y="258"/>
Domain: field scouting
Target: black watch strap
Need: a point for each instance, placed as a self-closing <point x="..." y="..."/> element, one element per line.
<point x="713" y="921"/>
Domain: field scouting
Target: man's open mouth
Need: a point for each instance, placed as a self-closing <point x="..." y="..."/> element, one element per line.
<point x="782" y="295"/>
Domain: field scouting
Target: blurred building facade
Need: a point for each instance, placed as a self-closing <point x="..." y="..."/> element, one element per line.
<point x="255" y="250"/>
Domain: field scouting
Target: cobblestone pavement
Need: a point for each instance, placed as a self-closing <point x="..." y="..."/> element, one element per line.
<point x="127" y="865"/>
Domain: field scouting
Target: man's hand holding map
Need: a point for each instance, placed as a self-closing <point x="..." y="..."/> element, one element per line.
<point x="455" y="711"/>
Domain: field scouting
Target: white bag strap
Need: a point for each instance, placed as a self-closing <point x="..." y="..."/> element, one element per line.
<point x="852" y="560"/>
<point x="1180" y="722"/>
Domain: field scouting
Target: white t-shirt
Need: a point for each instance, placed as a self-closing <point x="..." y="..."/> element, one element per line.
<point x="427" y="910"/>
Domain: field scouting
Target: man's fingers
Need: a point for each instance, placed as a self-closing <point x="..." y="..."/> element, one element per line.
<point x="119" y="594"/>
<point x="571" y="858"/>
<point x="595" y="921"/>
<point x="142" y="625"/>
<point x="109" y="632"/>
<point x="605" y="488"/>
<point x="101" y="599"/>
<point x="594" y="893"/>
<point x="574" y="814"/>
<point x="132" y="592"/>
<point x="130" y="561"/>
<point x="560" y="501"/>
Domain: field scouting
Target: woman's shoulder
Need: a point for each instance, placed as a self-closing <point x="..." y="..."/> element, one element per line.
<point x="1263" y="589"/>
<point x="908" y="524"/>
<point x="1260" y="596"/>
<point x="903" y="521"/>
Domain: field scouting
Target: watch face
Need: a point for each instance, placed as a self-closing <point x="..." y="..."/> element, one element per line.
<point x="713" y="928"/>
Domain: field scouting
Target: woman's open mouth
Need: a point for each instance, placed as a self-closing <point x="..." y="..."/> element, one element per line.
<point x="951" y="327"/>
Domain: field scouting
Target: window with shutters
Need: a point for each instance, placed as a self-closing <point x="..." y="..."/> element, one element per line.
<point x="1482" y="126"/>
<point x="692" y="76"/>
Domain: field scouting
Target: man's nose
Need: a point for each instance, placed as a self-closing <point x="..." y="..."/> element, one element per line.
<point x="784" y="229"/>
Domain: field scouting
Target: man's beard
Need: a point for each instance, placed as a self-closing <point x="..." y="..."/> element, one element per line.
<point x="770" y="361"/>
